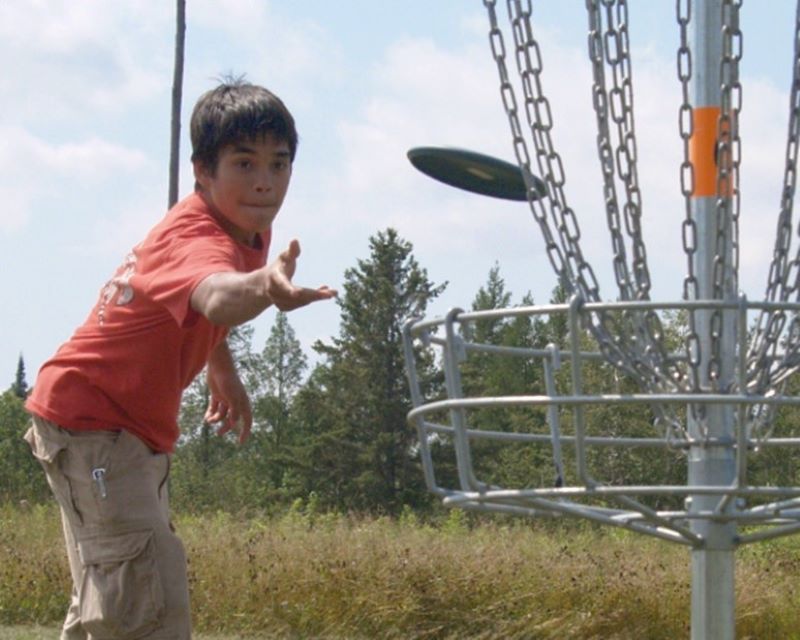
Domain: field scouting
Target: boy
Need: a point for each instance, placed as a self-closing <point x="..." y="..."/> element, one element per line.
<point x="105" y="407"/>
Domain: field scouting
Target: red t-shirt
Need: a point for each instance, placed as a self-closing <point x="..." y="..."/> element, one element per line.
<point x="142" y="344"/>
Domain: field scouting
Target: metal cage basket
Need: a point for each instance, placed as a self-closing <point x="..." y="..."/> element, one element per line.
<point x="586" y="460"/>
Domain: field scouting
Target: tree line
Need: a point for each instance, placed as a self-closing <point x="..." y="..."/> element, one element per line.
<point x="336" y="434"/>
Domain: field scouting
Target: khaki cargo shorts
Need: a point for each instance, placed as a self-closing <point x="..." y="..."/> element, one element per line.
<point x="128" y="566"/>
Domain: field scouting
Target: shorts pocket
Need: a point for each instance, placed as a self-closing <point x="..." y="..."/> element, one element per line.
<point x="45" y="443"/>
<point x="49" y="447"/>
<point x="121" y="597"/>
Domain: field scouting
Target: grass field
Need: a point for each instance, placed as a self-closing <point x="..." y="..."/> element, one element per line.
<point x="52" y="633"/>
<point x="28" y="633"/>
<point x="318" y="576"/>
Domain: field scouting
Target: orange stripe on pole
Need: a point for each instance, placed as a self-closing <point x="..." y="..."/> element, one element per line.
<point x="711" y="154"/>
<point x="703" y="151"/>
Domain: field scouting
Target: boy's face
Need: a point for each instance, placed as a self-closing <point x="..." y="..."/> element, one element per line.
<point x="247" y="189"/>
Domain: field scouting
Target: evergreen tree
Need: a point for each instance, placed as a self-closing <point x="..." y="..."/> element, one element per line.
<point x="486" y="374"/>
<point x="492" y="296"/>
<point x="21" y="477"/>
<point x="20" y="386"/>
<point x="282" y="365"/>
<point x="359" y="398"/>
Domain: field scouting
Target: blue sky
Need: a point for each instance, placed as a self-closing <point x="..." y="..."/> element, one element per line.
<point x="84" y="142"/>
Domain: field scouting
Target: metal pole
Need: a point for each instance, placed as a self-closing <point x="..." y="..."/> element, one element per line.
<point x="713" y="561"/>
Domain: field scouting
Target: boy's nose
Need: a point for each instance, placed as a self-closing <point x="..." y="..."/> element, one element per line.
<point x="263" y="184"/>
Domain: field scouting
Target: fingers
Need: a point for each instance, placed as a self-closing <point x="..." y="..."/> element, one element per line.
<point x="294" y="248"/>
<point x="244" y="434"/>
<point x="243" y="423"/>
<point x="240" y="425"/>
<point x="302" y="296"/>
<point x="285" y="295"/>
<point x="289" y="256"/>
<point x="326" y="292"/>
<point x="228" y="405"/>
<point x="215" y="412"/>
<point x="238" y="421"/>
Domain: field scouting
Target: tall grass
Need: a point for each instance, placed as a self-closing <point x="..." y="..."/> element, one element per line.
<point x="310" y="575"/>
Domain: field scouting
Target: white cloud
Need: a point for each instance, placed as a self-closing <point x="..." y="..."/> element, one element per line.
<point x="65" y="26"/>
<point x="32" y="168"/>
<point x="55" y="27"/>
<point x="16" y="210"/>
<point x="111" y="236"/>
<point x="79" y="56"/>
<point x="243" y="17"/>
<point x="92" y="160"/>
<point x="294" y="57"/>
<point x="423" y="94"/>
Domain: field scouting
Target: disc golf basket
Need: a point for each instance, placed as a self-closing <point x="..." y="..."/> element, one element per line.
<point x="706" y="395"/>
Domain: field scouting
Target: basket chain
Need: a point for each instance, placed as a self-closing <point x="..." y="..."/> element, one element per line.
<point x="638" y="353"/>
<point x="766" y="372"/>
<point x="689" y="231"/>
<point x="726" y="245"/>
<point x="640" y="333"/>
<point x="633" y="340"/>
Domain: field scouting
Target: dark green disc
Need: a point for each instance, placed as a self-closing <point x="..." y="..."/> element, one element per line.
<point x="473" y="172"/>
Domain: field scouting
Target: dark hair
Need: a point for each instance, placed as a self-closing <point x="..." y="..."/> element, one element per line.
<point x="235" y="111"/>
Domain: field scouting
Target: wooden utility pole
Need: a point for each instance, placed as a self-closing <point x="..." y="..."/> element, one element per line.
<point x="177" y="95"/>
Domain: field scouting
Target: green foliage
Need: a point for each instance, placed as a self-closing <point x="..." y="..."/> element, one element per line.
<point x="359" y="442"/>
<point x="489" y="374"/>
<point x="282" y="367"/>
<point x="486" y="373"/>
<point x="20" y="386"/>
<point x="205" y="474"/>
<point x="21" y="477"/>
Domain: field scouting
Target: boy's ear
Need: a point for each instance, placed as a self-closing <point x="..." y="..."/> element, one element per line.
<point x="201" y="173"/>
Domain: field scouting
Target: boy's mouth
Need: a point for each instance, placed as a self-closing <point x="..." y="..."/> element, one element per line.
<point x="262" y="205"/>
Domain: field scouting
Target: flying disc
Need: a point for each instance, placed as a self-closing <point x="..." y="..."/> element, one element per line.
<point x="475" y="172"/>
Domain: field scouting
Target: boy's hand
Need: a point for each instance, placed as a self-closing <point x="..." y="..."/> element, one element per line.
<point x="228" y="403"/>
<point x="284" y="294"/>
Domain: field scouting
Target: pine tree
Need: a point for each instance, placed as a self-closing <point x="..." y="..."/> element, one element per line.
<point x="492" y="296"/>
<point x="282" y="365"/>
<point x="491" y="374"/>
<point x="360" y="394"/>
<point x="20" y="386"/>
<point x="21" y="476"/>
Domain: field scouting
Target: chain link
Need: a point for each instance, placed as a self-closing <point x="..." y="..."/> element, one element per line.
<point x="561" y="243"/>
<point x="724" y="269"/>
<point x="553" y="250"/>
<point x="691" y="290"/>
<point x="724" y="283"/>
<point x="633" y="342"/>
<point x="638" y="334"/>
<point x="767" y="371"/>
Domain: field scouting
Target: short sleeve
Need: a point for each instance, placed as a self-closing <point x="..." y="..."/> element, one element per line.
<point x="171" y="270"/>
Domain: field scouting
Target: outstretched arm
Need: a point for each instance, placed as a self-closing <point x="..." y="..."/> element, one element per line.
<point x="228" y="403"/>
<point x="231" y="298"/>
